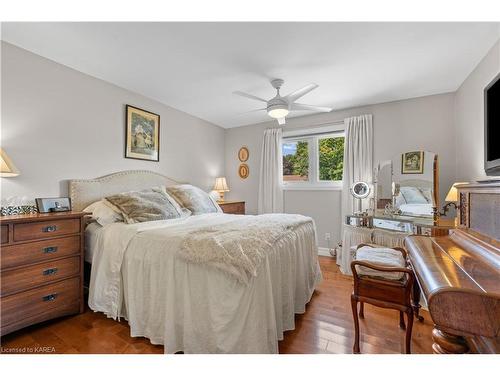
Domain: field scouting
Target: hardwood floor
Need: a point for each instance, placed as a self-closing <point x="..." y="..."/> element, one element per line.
<point x="326" y="327"/>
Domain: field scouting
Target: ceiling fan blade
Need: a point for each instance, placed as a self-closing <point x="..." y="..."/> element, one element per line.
<point x="250" y="96"/>
<point x="281" y="121"/>
<point x="252" y="111"/>
<point x="300" y="92"/>
<point x="307" y="107"/>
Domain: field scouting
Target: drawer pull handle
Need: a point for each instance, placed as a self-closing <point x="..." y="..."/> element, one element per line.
<point x="50" y="271"/>
<point x="49" y="297"/>
<point x="50" y="228"/>
<point x="49" y="250"/>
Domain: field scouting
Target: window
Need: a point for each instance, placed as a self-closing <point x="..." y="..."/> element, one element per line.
<point x="295" y="160"/>
<point x="313" y="161"/>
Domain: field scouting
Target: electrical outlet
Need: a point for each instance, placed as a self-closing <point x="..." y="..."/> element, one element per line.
<point x="327" y="236"/>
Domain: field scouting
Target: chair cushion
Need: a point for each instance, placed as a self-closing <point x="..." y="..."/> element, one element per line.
<point x="380" y="256"/>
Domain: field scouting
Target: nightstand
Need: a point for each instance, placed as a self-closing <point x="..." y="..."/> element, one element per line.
<point x="41" y="268"/>
<point x="229" y="207"/>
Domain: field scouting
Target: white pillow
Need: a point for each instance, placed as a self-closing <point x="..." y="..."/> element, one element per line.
<point x="413" y="195"/>
<point x="104" y="213"/>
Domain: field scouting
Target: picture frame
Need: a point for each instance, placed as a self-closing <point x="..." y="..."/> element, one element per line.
<point x="243" y="154"/>
<point x="243" y="171"/>
<point x="61" y="204"/>
<point x="412" y="162"/>
<point x="142" y="134"/>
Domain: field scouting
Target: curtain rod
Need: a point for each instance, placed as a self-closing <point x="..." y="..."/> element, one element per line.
<point x="311" y="134"/>
<point x="310" y="130"/>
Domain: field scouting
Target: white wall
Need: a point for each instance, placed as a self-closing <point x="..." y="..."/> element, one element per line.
<point x="424" y="123"/>
<point x="58" y="124"/>
<point x="469" y="117"/>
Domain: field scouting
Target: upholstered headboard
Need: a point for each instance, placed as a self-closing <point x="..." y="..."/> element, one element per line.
<point x="86" y="192"/>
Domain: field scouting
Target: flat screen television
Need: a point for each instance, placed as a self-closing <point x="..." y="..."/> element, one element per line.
<point x="492" y="127"/>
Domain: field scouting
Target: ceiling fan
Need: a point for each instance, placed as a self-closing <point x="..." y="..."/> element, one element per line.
<point x="279" y="106"/>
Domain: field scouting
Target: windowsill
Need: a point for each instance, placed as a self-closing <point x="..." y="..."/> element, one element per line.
<point x="312" y="187"/>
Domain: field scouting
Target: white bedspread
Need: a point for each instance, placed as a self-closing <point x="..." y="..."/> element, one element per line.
<point x="138" y="274"/>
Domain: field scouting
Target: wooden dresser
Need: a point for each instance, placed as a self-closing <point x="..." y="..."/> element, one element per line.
<point x="236" y="207"/>
<point x="41" y="268"/>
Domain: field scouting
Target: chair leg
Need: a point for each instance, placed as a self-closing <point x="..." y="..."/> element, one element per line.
<point x="354" y="304"/>
<point x="409" y="315"/>
<point x="361" y="310"/>
<point x="402" y="320"/>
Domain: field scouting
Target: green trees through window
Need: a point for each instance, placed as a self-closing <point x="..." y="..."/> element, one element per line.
<point x="331" y="158"/>
<point x="296" y="161"/>
<point x="327" y="159"/>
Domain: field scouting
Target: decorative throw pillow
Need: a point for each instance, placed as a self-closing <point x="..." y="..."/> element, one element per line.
<point x="194" y="199"/>
<point x="104" y="213"/>
<point x="146" y="205"/>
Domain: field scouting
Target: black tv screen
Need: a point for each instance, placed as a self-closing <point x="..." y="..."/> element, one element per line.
<point x="492" y="127"/>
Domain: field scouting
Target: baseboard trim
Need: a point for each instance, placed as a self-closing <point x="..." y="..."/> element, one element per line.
<point x="324" y="251"/>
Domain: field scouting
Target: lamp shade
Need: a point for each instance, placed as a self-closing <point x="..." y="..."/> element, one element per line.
<point x="221" y="184"/>
<point x="452" y="195"/>
<point x="7" y="167"/>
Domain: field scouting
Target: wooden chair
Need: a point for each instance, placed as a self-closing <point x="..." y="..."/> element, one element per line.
<point x="382" y="292"/>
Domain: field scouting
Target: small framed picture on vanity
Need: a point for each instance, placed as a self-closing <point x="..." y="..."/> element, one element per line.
<point x="45" y="205"/>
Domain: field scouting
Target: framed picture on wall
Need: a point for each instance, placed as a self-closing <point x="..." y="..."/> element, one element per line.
<point x="142" y="137"/>
<point x="412" y="163"/>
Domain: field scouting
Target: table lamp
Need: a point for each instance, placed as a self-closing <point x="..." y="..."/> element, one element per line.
<point x="7" y="167"/>
<point x="221" y="187"/>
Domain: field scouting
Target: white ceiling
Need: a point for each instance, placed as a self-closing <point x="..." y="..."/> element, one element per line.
<point x="195" y="67"/>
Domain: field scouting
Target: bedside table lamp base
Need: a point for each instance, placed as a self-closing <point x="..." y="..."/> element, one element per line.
<point x="221" y="196"/>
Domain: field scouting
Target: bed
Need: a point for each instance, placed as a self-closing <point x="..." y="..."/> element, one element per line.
<point x="138" y="274"/>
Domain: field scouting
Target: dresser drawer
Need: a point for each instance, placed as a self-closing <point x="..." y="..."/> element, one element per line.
<point x="45" y="229"/>
<point x="33" y="252"/>
<point x="50" y="298"/>
<point x="5" y="234"/>
<point x="234" y="208"/>
<point x="32" y="276"/>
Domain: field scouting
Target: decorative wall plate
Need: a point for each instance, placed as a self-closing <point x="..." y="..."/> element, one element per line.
<point x="243" y="154"/>
<point x="243" y="170"/>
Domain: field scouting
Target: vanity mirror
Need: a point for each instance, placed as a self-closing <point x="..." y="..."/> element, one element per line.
<point x="407" y="185"/>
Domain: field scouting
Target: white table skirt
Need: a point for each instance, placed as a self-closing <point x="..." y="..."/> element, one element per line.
<point x="353" y="236"/>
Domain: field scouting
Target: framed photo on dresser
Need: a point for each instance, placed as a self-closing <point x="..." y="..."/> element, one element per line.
<point x="142" y="136"/>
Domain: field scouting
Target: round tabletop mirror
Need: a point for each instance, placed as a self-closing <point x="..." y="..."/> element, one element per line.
<point x="360" y="190"/>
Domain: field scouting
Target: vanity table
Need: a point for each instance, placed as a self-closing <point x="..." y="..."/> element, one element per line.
<point x="386" y="231"/>
<point x="406" y="199"/>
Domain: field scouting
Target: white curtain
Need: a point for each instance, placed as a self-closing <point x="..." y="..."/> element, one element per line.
<point x="271" y="173"/>
<point x="358" y="166"/>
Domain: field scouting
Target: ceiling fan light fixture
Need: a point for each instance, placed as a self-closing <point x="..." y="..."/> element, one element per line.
<point x="278" y="111"/>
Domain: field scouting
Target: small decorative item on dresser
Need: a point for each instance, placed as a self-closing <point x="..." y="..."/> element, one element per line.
<point x="53" y="204"/>
<point x="41" y="268"/>
<point x="221" y="187"/>
<point x="237" y="208"/>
